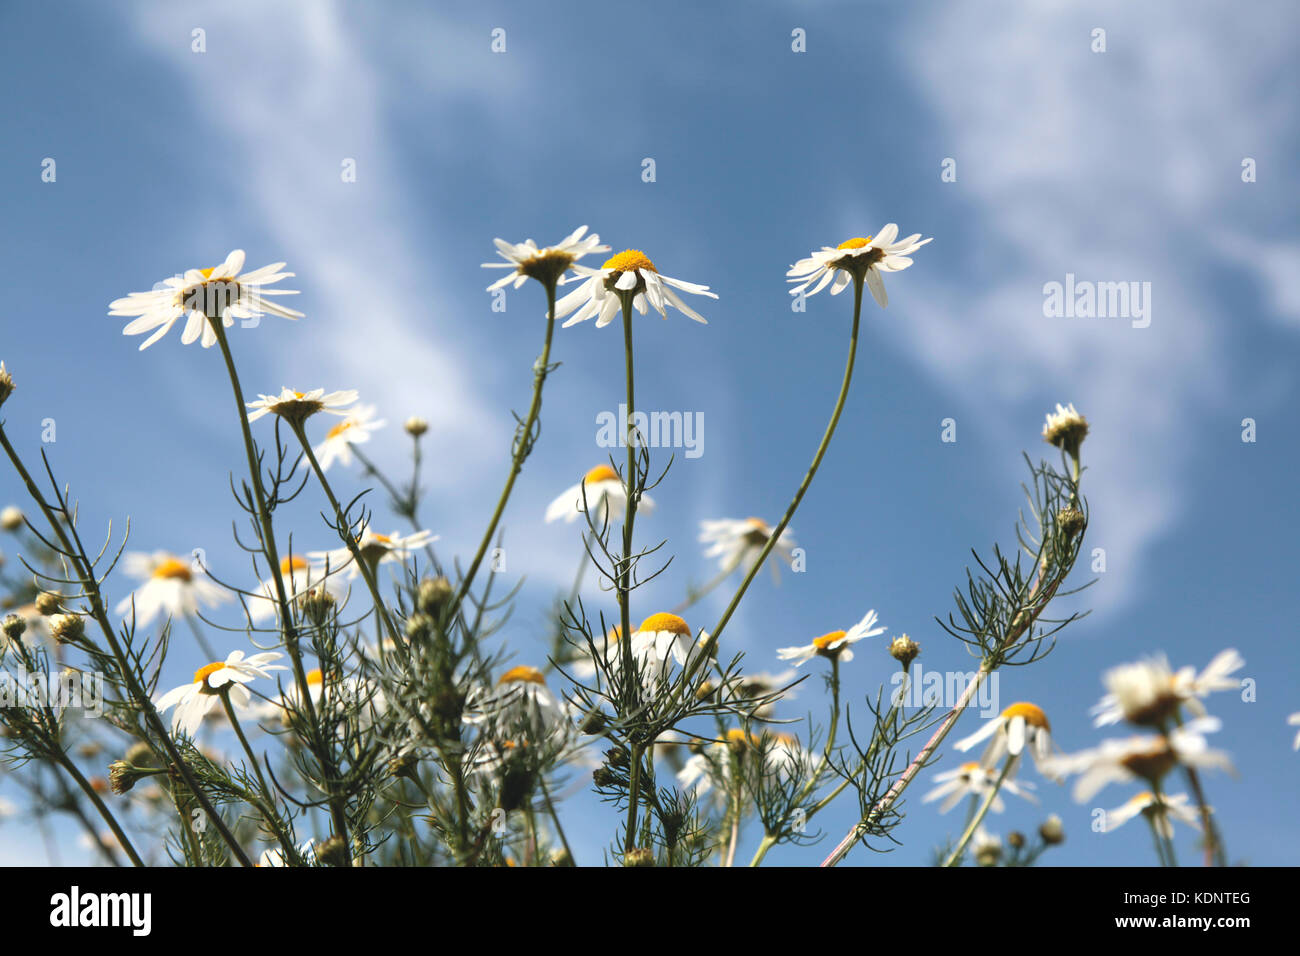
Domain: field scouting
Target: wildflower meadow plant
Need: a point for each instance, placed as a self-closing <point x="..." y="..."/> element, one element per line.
<point x="369" y="715"/>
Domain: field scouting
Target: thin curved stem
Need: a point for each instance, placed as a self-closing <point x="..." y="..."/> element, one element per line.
<point x="975" y="821"/>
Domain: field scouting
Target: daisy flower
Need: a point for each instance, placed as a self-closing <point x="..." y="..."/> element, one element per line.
<point x="974" y="780"/>
<point x="544" y="265"/>
<point x="1163" y="810"/>
<point x="663" y="638"/>
<point x="716" y="764"/>
<point x="986" y="848"/>
<point x="1149" y="694"/>
<point x="628" y="273"/>
<point x="520" y="697"/>
<point x="739" y="542"/>
<point x="1066" y="428"/>
<point x="296" y="407"/>
<point x="355" y="428"/>
<point x="220" y="290"/>
<point x="870" y="256"/>
<point x="605" y="496"/>
<point x="834" y="644"/>
<point x="171" y="586"/>
<point x="1294" y="719"/>
<point x="300" y="575"/>
<point x="193" y="701"/>
<point x="376" y="549"/>
<point x="1019" y="726"/>
<point x="1147" y="758"/>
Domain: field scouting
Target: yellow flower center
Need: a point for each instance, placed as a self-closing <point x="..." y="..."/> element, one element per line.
<point x="600" y="473"/>
<point x="970" y="767"/>
<point x="614" y="634"/>
<point x="1032" y="714"/>
<point x="523" y="674"/>
<point x="339" y="429"/>
<point x="823" y="643"/>
<point x="758" y="524"/>
<point x="665" y="622"/>
<point x="293" y="562"/>
<point x="207" y="273"/>
<point x="628" y="260"/>
<point x="1146" y="796"/>
<point x="203" y="673"/>
<point x="173" y="568"/>
<point x="314" y="676"/>
<point x="853" y="243"/>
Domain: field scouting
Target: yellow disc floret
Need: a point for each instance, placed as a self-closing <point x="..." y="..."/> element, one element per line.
<point x="854" y="243"/>
<point x="1032" y="714"/>
<point x="665" y="622"/>
<point x="172" y="569"/>
<point x="628" y="260"/>
<point x="824" y="642"/>
<point x="203" y="673"/>
<point x="600" y="473"/>
<point x="522" y="674"/>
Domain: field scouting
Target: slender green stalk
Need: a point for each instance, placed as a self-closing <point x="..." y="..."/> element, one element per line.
<point x="540" y="370"/>
<point x="202" y="641"/>
<point x="555" y="818"/>
<point x="123" y="841"/>
<point x="955" y="856"/>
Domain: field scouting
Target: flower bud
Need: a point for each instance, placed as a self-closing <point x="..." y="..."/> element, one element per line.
<point x="904" y="650"/>
<point x="416" y="426"/>
<point x="11" y="519"/>
<point x="317" y="604"/>
<point x="639" y="856"/>
<point x="47" y="603"/>
<point x="433" y="594"/>
<point x="13" y="626"/>
<point x="67" y="628"/>
<point x="1051" y="830"/>
<point x="333" y="852"/>
<point x="1016" y="840"/>
<point x="1071" y="522"/>
<point x="6" y="384"/>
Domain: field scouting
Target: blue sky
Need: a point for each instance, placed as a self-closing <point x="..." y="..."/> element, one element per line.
<point x="1123" y="165"/>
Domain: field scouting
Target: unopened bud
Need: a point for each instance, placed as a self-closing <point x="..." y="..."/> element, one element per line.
<point x="11" y="519"/>
<point x="433" y="595"/>
<point x="6" y="384"/>
<point x="67" y="628"/>
<point x="47" y="603"/>
<point x="639" y="856"/>
<point x="904" y="650"/>
<point x="1051" y="830"/>
<point x="416" y="426"/>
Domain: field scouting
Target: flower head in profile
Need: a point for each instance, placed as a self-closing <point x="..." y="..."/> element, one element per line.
<point x="602" y="491"/>
<point x="375" y="549"/>
<point x="836" y="644"/>
<point x="1021" y="726"/>
<point x="1161" y="809"/>
<point x="545" y="265"/>
<point x="779" y="756"/>
<point x="171" y="586"/>
<point x="219" y="291"/>
<point x="1143" y="758"/>
<point x="663" y="638"/>
<point x="629" y="273"/>
<point x="300" y="575"/>
<point x="357" y="427"/>
<point x="1066" y="429"/>
<point x="296" y="407"/>
<point x="519" y="699"/>
<point x="1148" y="693"/>
<point x="986" y="848"/>
<point x="972" y="779"/>
<point x="738" y="542"/>
<point x="1294" y="720"/>
<point x="193" y="700"/>
<point x="863" y="257"/>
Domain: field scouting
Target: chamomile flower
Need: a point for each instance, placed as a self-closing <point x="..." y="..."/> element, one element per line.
<point x="1162" y="810"/>
<point x="193" y="700"/>
<point x="1294" y="720"/>
<point x="870" y="256"/>
<point x="986" y="848"/>
<point x="628" y="273"/>
<point x="220" y="290"/>
<point x="603" y="492"/>
<point x="1020" y="726"/>
<point x="296" y="407"/>
<point x="1150" y="694"/>
<point x="545" y="265"/>
<point x="375" y="549"/>
<point x="356" y="428"/>
<point x="975" y="780"/>
<point x="663" y="638"/>
<point x="171" y="586"/>
<point x="300" y="575"/>
<point x="737" y="542"/>
<point x="520" y="697"/>
<point x="835" y="644"/>
<point x="1066" y="428"/>
<point x="1145" y="758"/>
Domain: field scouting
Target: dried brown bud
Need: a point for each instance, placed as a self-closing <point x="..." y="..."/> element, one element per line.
<point x="904" y="650"/>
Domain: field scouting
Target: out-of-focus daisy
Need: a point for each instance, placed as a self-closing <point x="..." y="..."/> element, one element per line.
<point x="986" y="848"/>
<point x="545" y="265"/>
<point x="218" y="290"/>
<point x="171" y="586"/>
<point x="375" y="549"/>
<point x="297" y="407"/>
<point x="1066" y="428"/>
<point x="870" y="255"/>
<point x="834" y="644"/>
<point x="628" y="272"/>
<point x="737" y="542"/>
<point x="975" y="780"/>
<point x="718" y="761"/>
<point x="1146" y="758"/>
<point x="355" y="429"/>
<point x="1294" y="719"/>
<point x="605" y="497"/>
<point x="520" y="697"/>
<point x="193" y="700"/>
<point x="11" y="518"/>
<point x="1162" y="810"/>
<point x="1149" y="694"/>
<point x="1019" y="726"/>
<point x="300" y="575"/>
